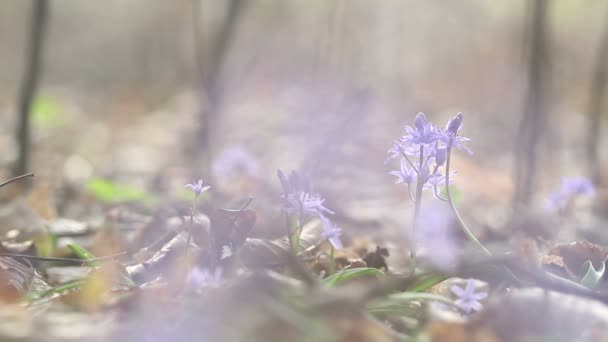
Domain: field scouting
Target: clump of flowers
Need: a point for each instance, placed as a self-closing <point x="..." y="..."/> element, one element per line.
<point x="468" y="300"/>
<point x="424" y="153"/>
<point x="570" y="189"/>
<point x="300" y="202"/>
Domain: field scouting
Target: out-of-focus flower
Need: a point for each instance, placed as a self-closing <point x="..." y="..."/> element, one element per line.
<point x="331" y="232"/>
<point x="468" y="299"/>
<point x="406" y="175"/>
<point x="570" y="188"/>
<point x="435" y="235"/>
<point x="233" y="161"/>
<point x="200" y="278"/>
<point x="197" y="187"/>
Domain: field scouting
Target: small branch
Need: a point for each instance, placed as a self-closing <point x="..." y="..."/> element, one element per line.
<point x="16" y="179"/>
<point x="57" y="259"/>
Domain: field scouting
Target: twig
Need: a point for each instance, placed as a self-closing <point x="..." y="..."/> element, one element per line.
<point x="58" y="259"/>
<point x="16" y="179"/>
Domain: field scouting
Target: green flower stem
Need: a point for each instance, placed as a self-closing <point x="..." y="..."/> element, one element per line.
<point x="192" y="212"/>
<point x="332" y="260"/>
<point x="417" y="206"/>
<point x="464" y="227"/>
<point x="289" y="232"/>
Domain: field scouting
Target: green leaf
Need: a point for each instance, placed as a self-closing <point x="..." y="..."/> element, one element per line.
<point x="82" y="253"/>
<point x="398" y="303"/>
<point x="108" y="191"/>
<point x="592" y="276"/>
<point x="426" y="281"/>
<point x="350" y="274"/>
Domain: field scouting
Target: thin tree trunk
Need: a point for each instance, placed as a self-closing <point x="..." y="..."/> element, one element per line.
<point x="596" y="104"/>
<point x="212" y="88"/>
<point x="534" y="108"/>
<point x="30" y="82"/>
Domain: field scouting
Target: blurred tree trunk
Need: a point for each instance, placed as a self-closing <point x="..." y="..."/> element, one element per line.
<point x="529" y="131"/>
<point x="596" y="104"/>
<point x="212" y="88"/>
<point x="30" y="82"/>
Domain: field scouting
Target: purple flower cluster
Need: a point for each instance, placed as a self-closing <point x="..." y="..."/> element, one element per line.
<point x="424" y="149"/>
<point x="301" y="201"/>
<point x="570" y="188"/>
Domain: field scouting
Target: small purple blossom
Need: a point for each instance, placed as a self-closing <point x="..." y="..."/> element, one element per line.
<point x="570" y="188"/>
<point x="203" y="277"/>
<point x="406" y="175"/>
<point x="468" y="299"/>
<point x="233" y="161"/>
<point x="331" y="232"/>
<point x="306" y="204"/>
<point x="197" y="187"/>
<point x="425" y="133"/>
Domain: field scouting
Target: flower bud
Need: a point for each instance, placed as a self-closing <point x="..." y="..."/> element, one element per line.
<point x="454" y="124"/>
<point x="420" y="121"/>
<point x="440" y="155"/>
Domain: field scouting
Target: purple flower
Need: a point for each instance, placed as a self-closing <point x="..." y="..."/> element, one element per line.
<point x="235" y="160"/>
<point x="331" y="232"/>
<point x="293" y="183"/>
<point x="306" y="204"/>
<point x="197" y="187"/>
<point x="570" y="188"/>
<point x="451" y="138"/>
<point x="405" y="175"/>
<point x="468" y="299"/>
<point x="425" y="133"/>
<point x="200" y="278"/>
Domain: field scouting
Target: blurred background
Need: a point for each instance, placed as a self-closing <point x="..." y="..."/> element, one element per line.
<point x="153" y="94"/>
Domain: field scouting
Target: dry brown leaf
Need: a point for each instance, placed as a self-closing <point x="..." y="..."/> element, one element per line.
<point x="571" y="257"/>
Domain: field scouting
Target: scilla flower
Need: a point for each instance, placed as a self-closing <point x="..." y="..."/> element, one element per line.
<point x="331" y="232"/>
<point x="197" y="187"/>
<point x="468" y="299"/>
